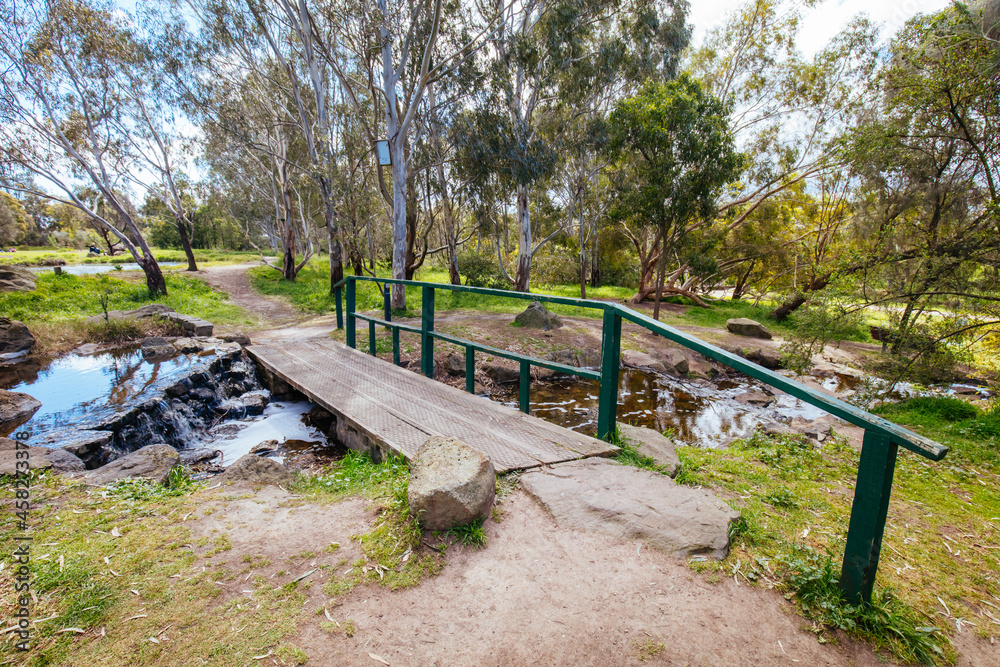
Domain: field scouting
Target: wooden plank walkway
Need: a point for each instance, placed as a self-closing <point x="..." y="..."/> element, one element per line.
<point x="400" y="409"/>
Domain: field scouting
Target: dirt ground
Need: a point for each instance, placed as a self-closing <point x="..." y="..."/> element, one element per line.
<point x="232" y="279"/>
<point x="535" y="594"/>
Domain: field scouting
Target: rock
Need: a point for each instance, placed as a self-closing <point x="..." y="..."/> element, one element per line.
<point x="64" y="461"/>
<point x="15" y="409"/>
<point x="746" y="327"/>
<point x="450" y="484"/>
<point x="240" y="339"/>
<point x="564" y="357"/>
<point x="87" y="349"/>
<point x="652" y="444"/>
<point x="766" y="357"/>
<point x="755" y="398"/>
<point x="198" y="455"/>
<point x="700" y="368"/>
<point x="178" y="389"/>
<point x="774" y="428"/>
<point x="15" y="339"/>
<point x="676" y="362"/>
<point x="320" y="419"/>
<point x="601" y="496"/>
<point x="818" y="429"/>
<point x="454" y="365"/>
<point x="10" y="455"/>
<point x="536" y="316"/>
<point x="152" y="462"/>
<point x="187" y="345"/>
<point x="85" y="444"/>
<point x="588" y="358"/>
<point x="156" y="347"/>
<point x="501" y="374"/>
<point x="14" y="279"/>
<point x="265" y="447"/>
<point x="257" y="470"/>
<point x="642" y="360"/>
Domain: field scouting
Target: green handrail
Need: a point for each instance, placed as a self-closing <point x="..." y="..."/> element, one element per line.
<point x="879" y="449"/>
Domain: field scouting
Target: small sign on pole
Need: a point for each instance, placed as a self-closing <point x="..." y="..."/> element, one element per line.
<point x="382" y="150"/>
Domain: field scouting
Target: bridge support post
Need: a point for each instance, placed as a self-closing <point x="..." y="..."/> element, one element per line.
<point x="351" y="322"/>
<point x="868" y="515"/>
<point x="426" y="328"/>
<point x="395" y="346"/>
<point x="386" y="308"/>
<point x="524" y="390"/>
<point x="372" y="349"/>
<point x="611" y="348"/>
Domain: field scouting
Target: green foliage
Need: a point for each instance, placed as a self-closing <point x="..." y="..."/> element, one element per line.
<point x="481" y="270"/>
<point x="944" y="408"/>
<point x="179" y="483"/>
<point x="818" y="325"/>
<point x="886" y="622"/>
<point x="470" y="534"/>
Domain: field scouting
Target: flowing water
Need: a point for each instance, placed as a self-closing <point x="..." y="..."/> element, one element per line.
<point x="89" y="269"/>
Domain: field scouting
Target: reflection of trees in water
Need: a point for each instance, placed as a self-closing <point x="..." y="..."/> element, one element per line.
<point x="123" y="370"/>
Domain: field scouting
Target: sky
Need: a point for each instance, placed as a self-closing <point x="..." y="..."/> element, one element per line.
<point x="822" y="22"/>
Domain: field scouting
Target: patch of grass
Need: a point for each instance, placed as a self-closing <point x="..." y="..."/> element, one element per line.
<point x="291" y="655"/>
<point x="649" y="648"/>
<point x="120" y="588"/>
<point x="973" y="434"/>
<point x="390" y="547"/>
<point x="795" y="502"/>
<point x="630" y="456"/>
<point x="930" y="409"/>
<point x="470" y="534"/>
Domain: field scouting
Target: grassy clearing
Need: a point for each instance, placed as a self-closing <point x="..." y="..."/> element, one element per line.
<point x="56" y="309"/>
<point x="390" y="546"/>
<point x="117" y="582"/>
<point x="940" y="570"/>
<point x="39" y="256"/>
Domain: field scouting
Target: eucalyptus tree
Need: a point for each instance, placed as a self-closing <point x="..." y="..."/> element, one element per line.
<point x="787" y="111"/>
<point x="67" y="97"/>
<point x="673" y="151"/>
<point x="552" y="60"/>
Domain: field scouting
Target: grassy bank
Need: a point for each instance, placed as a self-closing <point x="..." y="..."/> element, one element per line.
<point x="120" y="576"/>
<point x="55" y="310"/>
<point x="940" y="568"/>
<point x="40" y="256"/>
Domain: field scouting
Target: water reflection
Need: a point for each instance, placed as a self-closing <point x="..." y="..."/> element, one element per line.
<point x="698" y="412"/>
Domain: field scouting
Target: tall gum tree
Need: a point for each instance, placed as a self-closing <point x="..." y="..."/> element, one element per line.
<point x="66" y="90"/>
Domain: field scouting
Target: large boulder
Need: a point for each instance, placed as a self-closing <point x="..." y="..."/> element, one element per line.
<point x="602" y="496"/>
<point x="758" y="398"/>
<point x="501" y="374"/>
<point x="15" y="409"/>
<point x="258" y="471"/>
<point x="766" y="357"/>
<point x="14" y="279"/>
<point x="454" y="365"/>
<point x="450" y="484"/>
<point x="653" y="444"/>
<point x="15" y="339"/>
<point x="743" y="326"/>
<point x="536" y="316"/>
<point x="642" y="360"/>
<point x="152" y="462"/>
<point x="676" y="362"/>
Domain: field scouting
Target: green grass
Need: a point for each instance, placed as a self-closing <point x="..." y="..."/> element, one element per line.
<point x="947" y="419"/>
<point x="68" y="297"/>
<point x="37" y="256"/>
<point x="938" y="550"/>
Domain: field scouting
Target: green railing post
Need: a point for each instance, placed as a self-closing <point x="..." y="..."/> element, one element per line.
<point x="337" y="294"/>
<point x="426" y="327"/>
<point x="611" y="349"/>
<point x="351" y="322"/>
<point x="386" y="309"/>
<point x="868" y="514"/>
<point x="470" y="369"/>
<point x="395" y="346"/>
<point x="524" y="391"/>
<point x="371" y="339"/>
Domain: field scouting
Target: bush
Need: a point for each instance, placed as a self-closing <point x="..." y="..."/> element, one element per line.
<point x="481" y="270"/>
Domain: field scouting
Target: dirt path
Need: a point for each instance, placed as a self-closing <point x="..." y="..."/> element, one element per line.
<point x="535" y="594"/>
<point x="232" y="279"/>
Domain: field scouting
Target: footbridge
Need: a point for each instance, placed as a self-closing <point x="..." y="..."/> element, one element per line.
<point x="397" y="409"/>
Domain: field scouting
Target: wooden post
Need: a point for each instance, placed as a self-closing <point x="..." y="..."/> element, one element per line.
<point x="470" y="369"/>
<point x="868" y="514"/>
<point x="524" y="390"/>
<point x="395" y="346"/>
<point x="611" y="346"/>
<point x="386" y="308"/>
<point x="371" y="338"/>
<point x="351" y="322"/>
<point x="426" y="328"/>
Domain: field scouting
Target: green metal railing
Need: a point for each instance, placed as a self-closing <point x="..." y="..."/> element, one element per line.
<point x="880" y="446"/>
